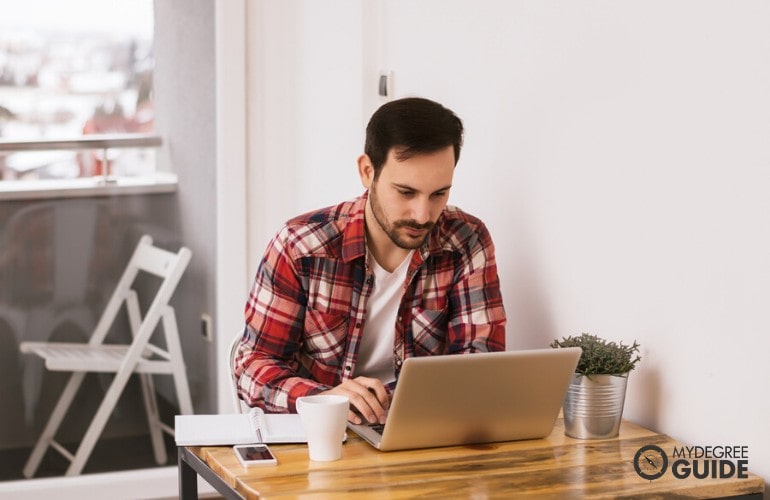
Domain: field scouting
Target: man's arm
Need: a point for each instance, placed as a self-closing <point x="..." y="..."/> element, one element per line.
<point x="265" y="367"/>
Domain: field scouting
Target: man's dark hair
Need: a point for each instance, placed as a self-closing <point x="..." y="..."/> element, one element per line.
<point x="411" y="125"/>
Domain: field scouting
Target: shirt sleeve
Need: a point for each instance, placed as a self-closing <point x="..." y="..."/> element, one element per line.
<point x="265" y="367"/>
<point x="477" y="322"/>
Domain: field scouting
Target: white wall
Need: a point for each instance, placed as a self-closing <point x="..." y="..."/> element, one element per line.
<point x="305" y="66"/>
<point x="617" y="150"/>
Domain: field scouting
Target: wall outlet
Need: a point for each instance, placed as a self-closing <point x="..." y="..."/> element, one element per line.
<point x="206" y="327"/>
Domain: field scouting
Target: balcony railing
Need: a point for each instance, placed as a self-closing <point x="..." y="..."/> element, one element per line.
<point x="101" y="141"/>
<point x="104" y="146"/>
<point x="91" y="142"/>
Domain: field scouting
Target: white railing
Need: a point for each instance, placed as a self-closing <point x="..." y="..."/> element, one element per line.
<point x="100" y="141"/>
<point x="100" y="183"/>
<point x="103" y="142"/>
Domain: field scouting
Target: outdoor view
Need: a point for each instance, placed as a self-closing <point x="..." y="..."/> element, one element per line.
<point x="73" y="68"/>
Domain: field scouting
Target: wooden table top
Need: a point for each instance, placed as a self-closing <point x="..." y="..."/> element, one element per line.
<point x="557" y="466"/>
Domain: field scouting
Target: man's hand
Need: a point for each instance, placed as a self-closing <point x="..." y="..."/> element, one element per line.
<point x="368" y="399"/>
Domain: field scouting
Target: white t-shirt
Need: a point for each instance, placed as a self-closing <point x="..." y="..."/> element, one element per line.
<point x="375" y="354"/>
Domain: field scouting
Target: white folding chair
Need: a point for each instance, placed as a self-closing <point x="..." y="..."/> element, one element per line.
<point x="140" y="357"/>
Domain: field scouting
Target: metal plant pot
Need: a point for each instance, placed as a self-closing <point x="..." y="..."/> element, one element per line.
<point x="593" y="406"/>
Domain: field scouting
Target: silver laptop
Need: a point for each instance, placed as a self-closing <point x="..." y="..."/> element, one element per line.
<point x="474" y="398"/>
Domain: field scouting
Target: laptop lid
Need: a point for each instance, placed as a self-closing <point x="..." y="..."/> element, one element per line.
<point x="475" y="398"/>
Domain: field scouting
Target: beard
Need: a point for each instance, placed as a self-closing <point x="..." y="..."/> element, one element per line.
<point x="394" y="229"/>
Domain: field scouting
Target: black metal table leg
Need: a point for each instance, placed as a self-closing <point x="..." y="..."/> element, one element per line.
<point x="189" y="468"/>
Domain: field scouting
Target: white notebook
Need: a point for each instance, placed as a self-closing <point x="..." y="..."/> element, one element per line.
<point x="255" y="426"/>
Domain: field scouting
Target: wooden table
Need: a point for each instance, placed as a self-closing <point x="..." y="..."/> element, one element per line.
<point x="557" y="466"/>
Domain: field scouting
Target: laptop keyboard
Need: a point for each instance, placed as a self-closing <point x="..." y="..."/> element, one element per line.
<point x="378" y="428"/>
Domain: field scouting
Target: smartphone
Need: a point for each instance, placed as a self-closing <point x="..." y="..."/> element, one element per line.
<point x="254" y="454"/>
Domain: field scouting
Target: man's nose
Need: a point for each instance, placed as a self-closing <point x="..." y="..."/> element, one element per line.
<point x="421" y="211"/>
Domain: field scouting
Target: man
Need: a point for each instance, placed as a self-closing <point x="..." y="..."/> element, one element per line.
<point x="345" y="294"/>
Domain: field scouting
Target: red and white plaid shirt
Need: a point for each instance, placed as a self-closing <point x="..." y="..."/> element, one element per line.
<point x="306" y="311"/>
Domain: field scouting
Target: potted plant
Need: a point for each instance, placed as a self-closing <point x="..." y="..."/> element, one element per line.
<point x="593" y="406"/>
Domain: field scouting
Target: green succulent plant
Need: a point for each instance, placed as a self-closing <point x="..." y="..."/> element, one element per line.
<point x="601" y="357"/>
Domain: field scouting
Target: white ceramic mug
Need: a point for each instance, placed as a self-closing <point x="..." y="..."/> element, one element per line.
<point x="324" y="418"/>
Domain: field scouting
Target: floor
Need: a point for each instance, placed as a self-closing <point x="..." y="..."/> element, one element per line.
<point x="135" y="453"/>
<point x="126" y="445"/>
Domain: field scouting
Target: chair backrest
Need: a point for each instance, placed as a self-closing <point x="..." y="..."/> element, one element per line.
<point x="154" y="260"/>
<point x="233" y="352"/>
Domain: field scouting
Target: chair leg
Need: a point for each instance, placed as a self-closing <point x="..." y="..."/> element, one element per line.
<point x="54" y="421"/>
<point x="177" y="361"/>
<point x="148" y="387"/>
<point x="97" y="424"/>
<point x="153" y="418"/>
<point x="183" y="392"/>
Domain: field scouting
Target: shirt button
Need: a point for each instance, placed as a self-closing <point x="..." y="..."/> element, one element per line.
<point x="347" y="368"/>
<point x="398" y="362"/>
<point x="358" y="325"/>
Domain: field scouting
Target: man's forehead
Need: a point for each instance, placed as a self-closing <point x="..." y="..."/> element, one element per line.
<point x="425" y="172"/>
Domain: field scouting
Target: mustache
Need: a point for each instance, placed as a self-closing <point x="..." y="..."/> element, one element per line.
<point x="413" y="224"/>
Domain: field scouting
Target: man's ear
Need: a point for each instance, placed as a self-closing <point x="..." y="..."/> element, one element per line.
<point x="365" y="170"/>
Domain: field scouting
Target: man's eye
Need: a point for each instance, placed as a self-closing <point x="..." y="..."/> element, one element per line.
<point x="405" y="193"/>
